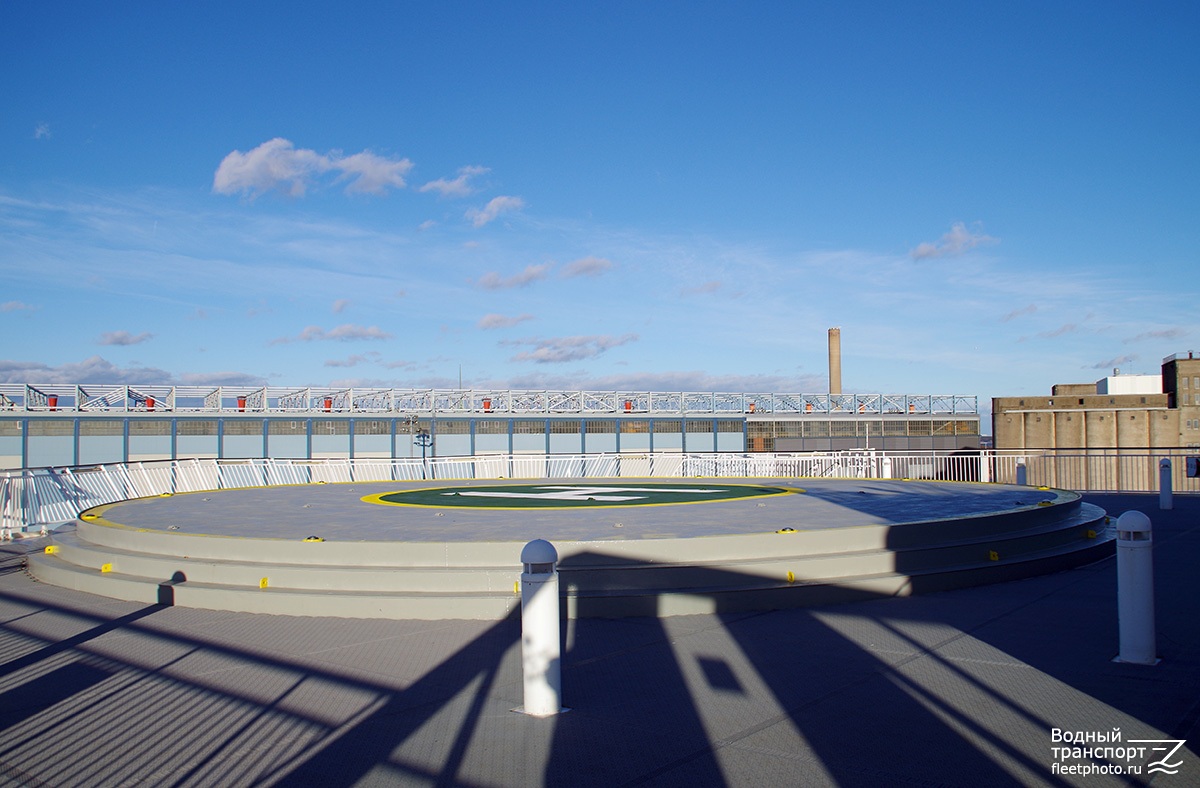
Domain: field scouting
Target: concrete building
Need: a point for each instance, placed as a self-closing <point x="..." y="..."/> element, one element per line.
<point x="1115" y="412"/>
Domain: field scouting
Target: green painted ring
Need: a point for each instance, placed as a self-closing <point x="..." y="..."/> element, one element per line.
<point x="549" y="495"/>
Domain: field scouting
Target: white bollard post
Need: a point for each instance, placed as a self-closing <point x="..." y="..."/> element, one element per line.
<point x="886" y="468"/>
<point x="1165" y="500"/>
<point x="1022" y="474"/>
<point x="540" y="649"/>
<point x="1135" y="590"/>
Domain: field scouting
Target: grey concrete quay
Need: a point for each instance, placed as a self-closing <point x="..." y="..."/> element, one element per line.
<point x="979" y="686"/>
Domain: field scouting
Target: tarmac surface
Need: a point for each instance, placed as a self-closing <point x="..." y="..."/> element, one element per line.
<point x="337" y="511"/>
<point x="962" y="688"/>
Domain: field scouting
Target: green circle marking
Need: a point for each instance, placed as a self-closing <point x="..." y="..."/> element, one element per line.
<point x="572" y="495"/>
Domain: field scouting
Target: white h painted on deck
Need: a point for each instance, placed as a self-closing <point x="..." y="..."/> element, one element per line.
<point x="581" y="494"/>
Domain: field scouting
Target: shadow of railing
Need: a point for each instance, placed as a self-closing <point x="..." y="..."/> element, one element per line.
<point x="337" y="757"/>
<point x="654" y="702"/>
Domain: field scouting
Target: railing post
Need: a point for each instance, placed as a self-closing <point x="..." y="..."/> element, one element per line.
<point x="32" y="500"/>
<point x="1135" y="589"/>
<point x="1165" y="500"/>
<point x="1022" y="474"/>
<point x="540" y="650"/>
<point x="5" y="502"/>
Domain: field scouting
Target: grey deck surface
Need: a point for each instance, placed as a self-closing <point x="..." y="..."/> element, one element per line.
<point x="959" y="688"/>
<point x="336" y="511"/>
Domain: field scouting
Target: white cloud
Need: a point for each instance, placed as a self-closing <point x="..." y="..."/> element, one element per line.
<point x="15" y="306"/>
<point x="276" y="164"/>
<point x="98" y="370"/>
<point x="693" y="380"/>
<point x="1169" y="333"/>
<point x="42" y="131"/>
<point x="1113" y="363"/>
<point x="124" y="338"/>
<point x="354" y="360"/>
<point x="557" y="350"/>
<point x="343" y="333"/>
<point x="958" y="240"/>
<point x="493" y="209"/>
<point x="702" y="289"/>
<point x="501" y="321"/>
<point x="92" y="370"/>
<point x="532" y="273"/>
<point x="1026" y="310"/>
<point x="260" y="308"/>
<point x="279" y="165"/>
<point x="587" y="266"/>
<point x="1068" y="328"/>
<point x="458" y="187"/>
<point x="340" y="305"/>
<point x="372" y="174"/>
<point x="221" y="379"/>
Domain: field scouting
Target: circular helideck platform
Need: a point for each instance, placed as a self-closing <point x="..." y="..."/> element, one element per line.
<point x="627" y="546"/>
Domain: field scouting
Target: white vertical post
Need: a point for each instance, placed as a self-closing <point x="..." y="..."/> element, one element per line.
<point x="540" y="649"/>
<point x="1165" y="500"/>
<point x="1135" y="589"/>
<point x="1022" y="474"/>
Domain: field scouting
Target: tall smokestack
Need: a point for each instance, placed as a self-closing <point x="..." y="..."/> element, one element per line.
<point x="835" y="361"/>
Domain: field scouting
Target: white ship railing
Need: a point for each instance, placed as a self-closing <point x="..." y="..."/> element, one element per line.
<point x="33" y="499"/>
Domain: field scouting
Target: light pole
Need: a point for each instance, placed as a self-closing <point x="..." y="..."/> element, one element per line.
<point x="424" y="440"/>
<point x="410" y="424"/>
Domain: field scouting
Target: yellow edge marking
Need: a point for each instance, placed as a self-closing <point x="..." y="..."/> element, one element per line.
<point x="123" y="527"/>
<point x="377" y="498"/>
<point x="93" y="515"/>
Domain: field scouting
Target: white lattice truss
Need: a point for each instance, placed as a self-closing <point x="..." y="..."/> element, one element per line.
<point x="244" y="399"/>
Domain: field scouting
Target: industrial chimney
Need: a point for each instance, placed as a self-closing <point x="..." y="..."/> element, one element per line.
<point x="835" y="361"/>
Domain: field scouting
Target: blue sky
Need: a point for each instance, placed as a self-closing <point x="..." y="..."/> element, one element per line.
<point x="658" y="196"/>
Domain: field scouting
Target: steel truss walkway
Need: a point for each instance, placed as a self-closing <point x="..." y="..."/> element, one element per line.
<point x="87" y="398"/>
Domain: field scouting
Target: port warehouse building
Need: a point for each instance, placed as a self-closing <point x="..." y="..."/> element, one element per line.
<point x="72" y="425"/>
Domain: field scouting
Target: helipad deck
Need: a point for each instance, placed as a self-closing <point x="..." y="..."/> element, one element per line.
<point x="337" y="512"/>
<point x="626" y="546"/>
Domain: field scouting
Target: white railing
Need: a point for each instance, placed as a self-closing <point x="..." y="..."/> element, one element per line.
<point x="150" y="399"/>
<point x="32" y="499"/>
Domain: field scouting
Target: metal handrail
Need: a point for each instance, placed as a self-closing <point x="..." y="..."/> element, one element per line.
<point x="37" y="498"/>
